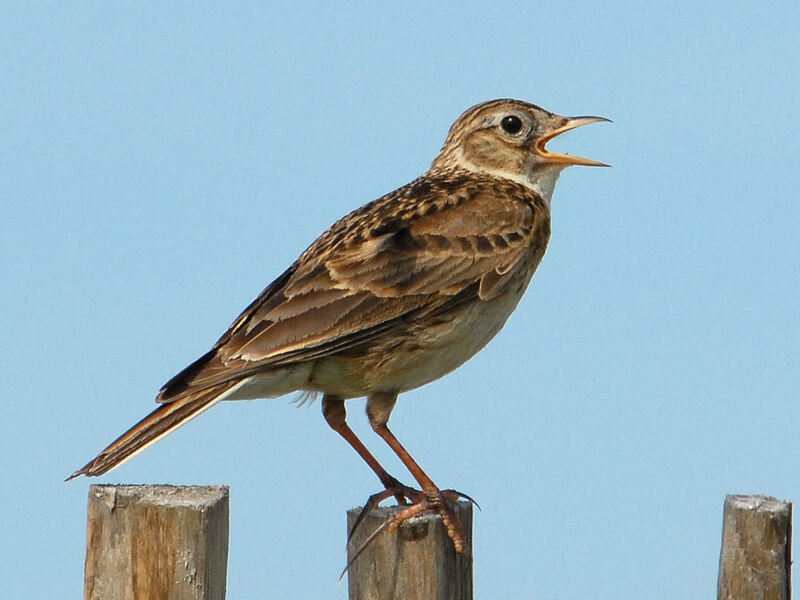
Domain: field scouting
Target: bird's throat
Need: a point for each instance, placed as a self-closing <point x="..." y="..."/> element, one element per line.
<point x="542" y="179"/>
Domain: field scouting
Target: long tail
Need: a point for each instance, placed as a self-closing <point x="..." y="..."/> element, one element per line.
<point x="157" y="424"/>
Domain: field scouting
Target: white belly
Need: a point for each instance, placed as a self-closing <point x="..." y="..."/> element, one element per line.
<point x="429" y="352"/>
<point x="399" y="362"/>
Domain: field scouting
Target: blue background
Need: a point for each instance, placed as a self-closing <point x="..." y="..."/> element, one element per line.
<point x="159" y="165"/>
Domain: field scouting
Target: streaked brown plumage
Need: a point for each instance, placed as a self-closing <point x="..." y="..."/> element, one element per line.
<point x="392" y="296"/>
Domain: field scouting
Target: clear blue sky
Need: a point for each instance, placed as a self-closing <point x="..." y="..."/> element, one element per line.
<point x="159" y="166"/>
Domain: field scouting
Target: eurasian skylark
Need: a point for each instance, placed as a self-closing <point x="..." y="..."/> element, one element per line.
<point x="394" y="295"/>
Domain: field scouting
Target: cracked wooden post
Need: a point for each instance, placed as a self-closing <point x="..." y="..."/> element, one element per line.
<point x="755" y="561"/>
<point x="416" y="561"/>
<point x="156" y="541"/>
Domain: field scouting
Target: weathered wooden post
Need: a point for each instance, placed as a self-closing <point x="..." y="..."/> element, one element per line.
<point x="755" y="561"/>
<point x="416" y="561"/>
<point x="156" y="541"/>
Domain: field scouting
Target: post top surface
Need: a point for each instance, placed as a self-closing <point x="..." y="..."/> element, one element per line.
<point x="173" y="495"/>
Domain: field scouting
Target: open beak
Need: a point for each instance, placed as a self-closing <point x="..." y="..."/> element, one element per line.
<point x="568" y="159"/>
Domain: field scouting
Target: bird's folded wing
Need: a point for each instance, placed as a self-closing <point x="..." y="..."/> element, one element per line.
<point x="341" y="294"/>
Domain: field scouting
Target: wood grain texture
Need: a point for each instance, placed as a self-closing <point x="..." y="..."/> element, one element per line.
<point x="755" y="561"/>
<point x="156" y="541"/>
<point x="416" y="561"/>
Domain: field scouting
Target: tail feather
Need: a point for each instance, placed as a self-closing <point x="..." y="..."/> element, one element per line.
<point x="157" y="424"/>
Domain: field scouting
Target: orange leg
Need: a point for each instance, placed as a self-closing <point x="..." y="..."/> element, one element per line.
<point x="379" y="408"/>
<point x="335" y="414"/>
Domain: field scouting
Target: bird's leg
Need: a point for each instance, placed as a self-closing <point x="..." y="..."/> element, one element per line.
<point x="335" y="414"/>
<point x="379" y="408"/>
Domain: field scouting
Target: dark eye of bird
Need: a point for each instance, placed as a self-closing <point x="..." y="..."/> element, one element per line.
<point x="511" y="124"/>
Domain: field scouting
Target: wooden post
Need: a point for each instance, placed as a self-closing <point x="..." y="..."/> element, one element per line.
<point x="156" y="541"/>
<point x="416" y="561"/>
<point x="755" y="562"/>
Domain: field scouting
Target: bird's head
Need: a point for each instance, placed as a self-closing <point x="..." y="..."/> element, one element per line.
<point x="507" y="138"/>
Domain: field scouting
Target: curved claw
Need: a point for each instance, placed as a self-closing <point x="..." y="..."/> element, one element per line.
<point x="372" y="503"/>
<point x="456" y="495"/>
<point x="390" y="524"/>
<point x="393" y="488"/>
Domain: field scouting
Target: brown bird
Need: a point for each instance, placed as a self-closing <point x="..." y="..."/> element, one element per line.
<point x="394" y="295"/>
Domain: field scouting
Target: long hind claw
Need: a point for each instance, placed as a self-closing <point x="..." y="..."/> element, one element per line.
<point x="371" y="504"/>
<point x="401" y="492"/>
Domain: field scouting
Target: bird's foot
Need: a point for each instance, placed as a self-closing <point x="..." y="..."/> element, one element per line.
<point x="402" y="493"/>
<point x="441" y="502"/>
